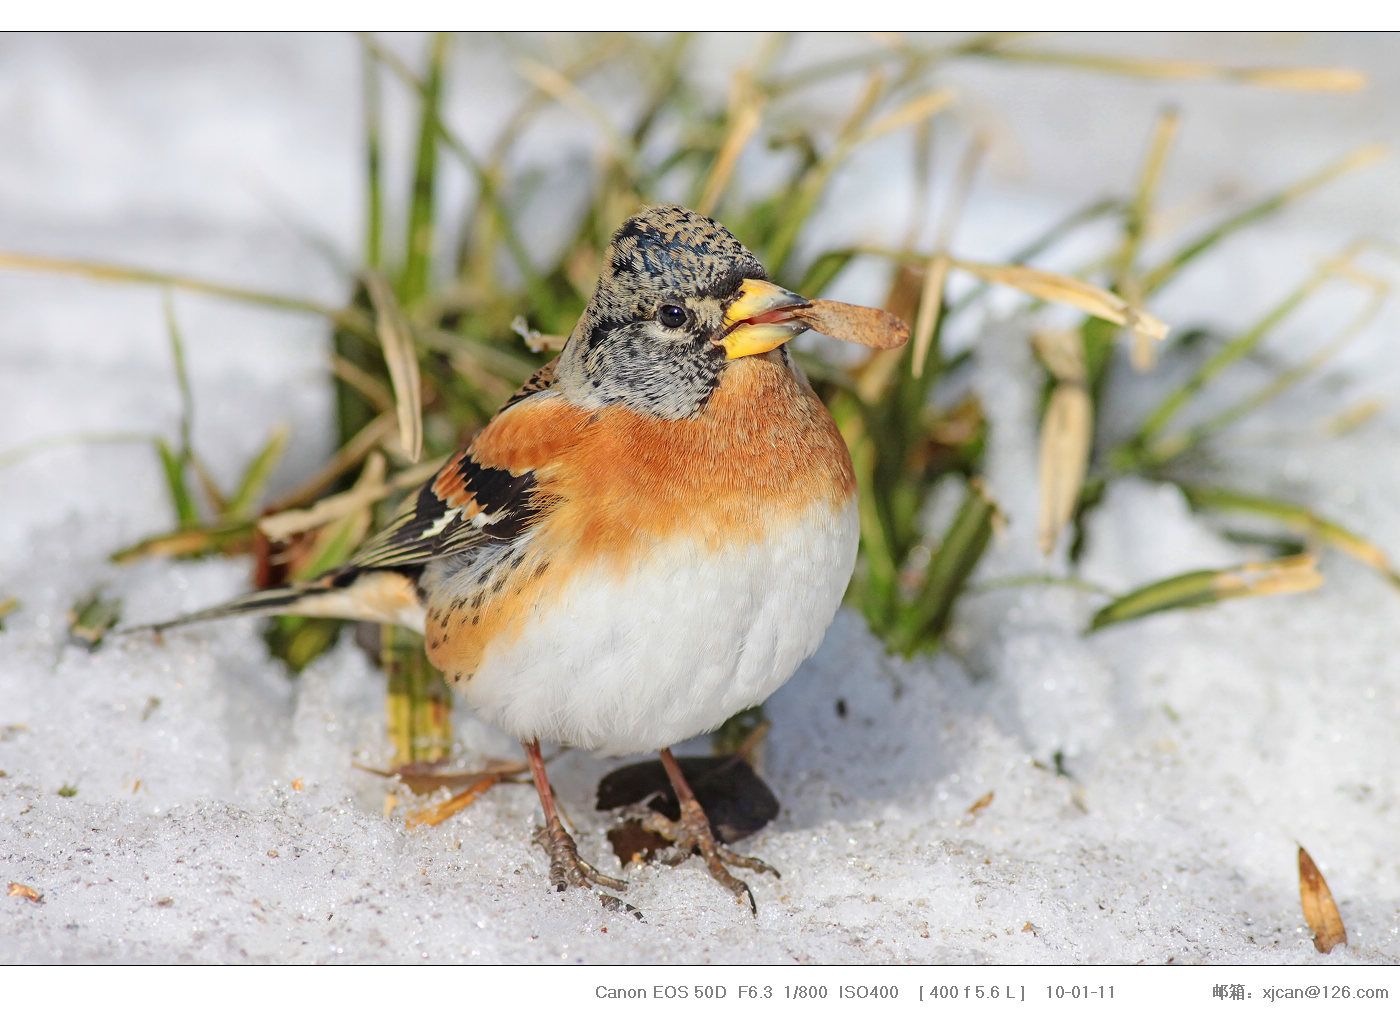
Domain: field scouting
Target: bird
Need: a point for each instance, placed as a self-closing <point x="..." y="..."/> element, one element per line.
<point x="650" y="536"/>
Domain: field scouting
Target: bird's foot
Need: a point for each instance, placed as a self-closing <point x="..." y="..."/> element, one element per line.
<point x="692" y="833"/>
<point x="568" y="869"/>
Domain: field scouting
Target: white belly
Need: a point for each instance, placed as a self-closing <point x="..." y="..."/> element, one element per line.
<point x="640" y="660"/>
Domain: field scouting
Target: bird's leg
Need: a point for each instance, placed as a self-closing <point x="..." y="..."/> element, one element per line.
<point x="566" y="868"/>
<point x="692" y="832"/>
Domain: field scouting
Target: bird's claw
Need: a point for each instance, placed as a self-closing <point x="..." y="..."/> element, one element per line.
<point x="692" y="833"/>
<point x="567" y="868"/>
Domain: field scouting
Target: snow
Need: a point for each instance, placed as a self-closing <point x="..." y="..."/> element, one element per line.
<point x="218" y="816"/>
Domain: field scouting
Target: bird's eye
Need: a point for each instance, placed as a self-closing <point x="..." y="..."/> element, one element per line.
<point x="671" y="316"/>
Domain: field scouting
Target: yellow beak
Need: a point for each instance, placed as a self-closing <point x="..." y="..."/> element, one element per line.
<point x="758" y="320"/>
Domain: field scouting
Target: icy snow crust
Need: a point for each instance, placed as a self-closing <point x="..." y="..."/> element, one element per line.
<point x="1199" y="748"/>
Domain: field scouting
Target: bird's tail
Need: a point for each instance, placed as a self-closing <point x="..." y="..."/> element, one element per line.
<point x="355" y="594"/>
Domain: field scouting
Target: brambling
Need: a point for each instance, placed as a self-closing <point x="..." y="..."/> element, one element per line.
<point x="650" y="536"/>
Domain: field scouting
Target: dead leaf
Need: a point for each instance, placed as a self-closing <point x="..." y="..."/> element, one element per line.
<point x="401" y="359"/>
<point x="435" y="815"/>
<point x="633" y="843"/>
<point x="857" y="324"/>
<point x="429" y="776"/>
<point x="17" y="890"/>
<point x="1318" y="907"/>
<point x="981" y="803"/>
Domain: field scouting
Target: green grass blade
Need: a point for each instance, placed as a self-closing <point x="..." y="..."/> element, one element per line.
<point x="182" y="376"/>
<point x="1294" y="517"/>
<point x="223" y="538"/>
<point x="488" y="176"/>
<point x="244" y="501"/>
<point x="173" y="468"/>
<point x="1281" y="383"/>
<point x="417" y="269"/>
<point x="824" y="270"/>
<point x="1229" y="354"/>
<point x="1295" y="574"/>
<point x="1363" y="157"/>
<point x="966" y="539"/>
<point x="374" y="176"/>
<point x="91" y="618"/>
<point x="876" y="587"/>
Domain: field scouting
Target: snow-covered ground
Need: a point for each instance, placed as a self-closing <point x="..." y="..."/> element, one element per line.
<point x="1201" y="747"/>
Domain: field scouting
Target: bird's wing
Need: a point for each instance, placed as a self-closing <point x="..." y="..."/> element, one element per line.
<point x="485" y="492"/>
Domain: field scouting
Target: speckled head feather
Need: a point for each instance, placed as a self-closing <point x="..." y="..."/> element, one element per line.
<point x="663" y="248"/>
<point x="646" y="339"/>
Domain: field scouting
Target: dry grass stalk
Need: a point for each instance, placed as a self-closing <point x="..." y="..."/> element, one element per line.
<point x="930" y="308"/>
<point x="1071" y="291"/>
<point x="1319" y="909"/>
<point x="936" y="274"/>
<point x="537" y="342"/>
<point x="349" y="318"/>
<point x="869" y="97"/>
<point x="334" y="542"/>
<point x="1325" y="79"/>
<point x="746" y="106"/>
<point x="981" y="803"/>
<point x="374" y="391"/>
<point x="1144" y="349"/>
<point x="1142" y="355"/>
<point x="1351" y="418"/>
<point x="436" y="814"/>
<point x="365" y="441"/>
<point x="400" y="356"/>
<point x="873" y="379"/>
<point x="1066" y="433"/>
<point x="567" y="93"/>
<point x="918" y="109"/>
<point x="1295" y="574"/>
<point x="1304" y="78"/>
<point x="283" y="525"/>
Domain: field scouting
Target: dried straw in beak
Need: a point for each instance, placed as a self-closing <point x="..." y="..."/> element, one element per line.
<point x="856" y="324"/>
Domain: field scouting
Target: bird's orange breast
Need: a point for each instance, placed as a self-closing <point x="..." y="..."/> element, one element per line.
<point x="613" y="482"/>
<point x="764" y="448"/>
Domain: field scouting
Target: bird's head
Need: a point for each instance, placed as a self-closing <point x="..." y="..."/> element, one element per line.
<point x="678" y="300"/>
